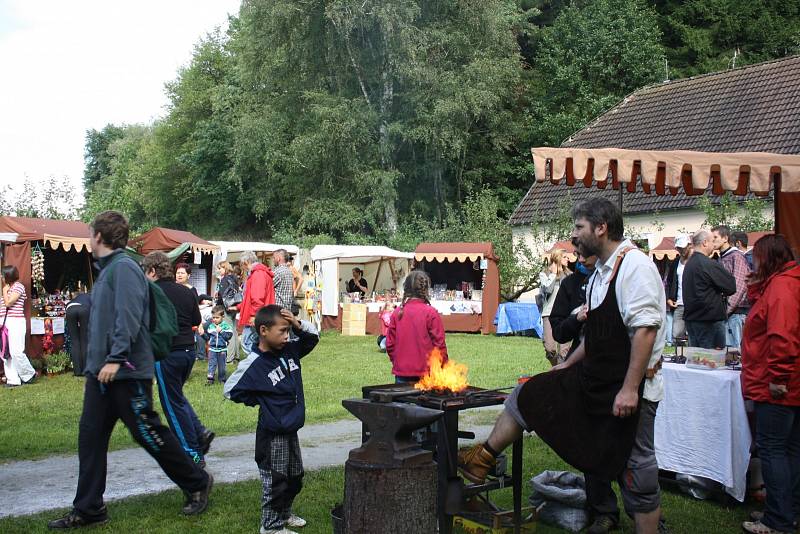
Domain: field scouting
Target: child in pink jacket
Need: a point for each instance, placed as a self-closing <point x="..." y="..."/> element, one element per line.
<point x="415" y="330"/>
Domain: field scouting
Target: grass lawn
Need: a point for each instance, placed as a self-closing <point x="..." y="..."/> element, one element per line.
<point x="235" y="507"/>
<point x="42" y="419"/>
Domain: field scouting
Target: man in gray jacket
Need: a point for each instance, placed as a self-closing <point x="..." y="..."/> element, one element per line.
<point x="119" y="377"/>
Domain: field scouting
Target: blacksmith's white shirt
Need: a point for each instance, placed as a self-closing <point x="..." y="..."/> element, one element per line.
<point x="641" y="301"/>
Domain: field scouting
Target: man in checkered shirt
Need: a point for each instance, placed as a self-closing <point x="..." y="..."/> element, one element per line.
<point x="284" y="281"/>
<point x="271" y="379"/>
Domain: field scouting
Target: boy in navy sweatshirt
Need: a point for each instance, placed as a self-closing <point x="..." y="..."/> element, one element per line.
<point x="271" y="379"/>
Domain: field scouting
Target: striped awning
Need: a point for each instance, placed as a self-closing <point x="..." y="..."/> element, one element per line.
<point x="668" y="171"/>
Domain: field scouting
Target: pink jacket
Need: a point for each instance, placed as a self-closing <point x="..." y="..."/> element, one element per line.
<point x="411" y="338"/>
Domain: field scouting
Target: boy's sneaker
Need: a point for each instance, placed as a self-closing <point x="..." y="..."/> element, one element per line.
<point x="210" y="382"/>
<point x="197" y="502"/>
<point x="74" y="520"/>
<point x="273" y="531"/>
<point x="757" y="527"/>
<point x="296" y="521"/>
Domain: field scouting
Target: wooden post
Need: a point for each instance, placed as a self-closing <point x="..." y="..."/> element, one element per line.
<point x="377" y="274"/>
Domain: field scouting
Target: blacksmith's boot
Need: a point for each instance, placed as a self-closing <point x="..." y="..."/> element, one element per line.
<point x="475" y="463"/>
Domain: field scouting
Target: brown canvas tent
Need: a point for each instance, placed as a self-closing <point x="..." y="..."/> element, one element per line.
<point x="175" y="243"/>
<point x="167" y="239"/>
<point x="60" y="239"/>
<point x="435" y="258"/>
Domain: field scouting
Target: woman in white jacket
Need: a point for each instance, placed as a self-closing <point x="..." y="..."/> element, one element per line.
<point x="549" y="283"/>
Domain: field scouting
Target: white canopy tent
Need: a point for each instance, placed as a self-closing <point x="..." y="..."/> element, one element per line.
<point x="382" y="266"/>
<point x="234" y="248"/>
<point x="8" y="237"/>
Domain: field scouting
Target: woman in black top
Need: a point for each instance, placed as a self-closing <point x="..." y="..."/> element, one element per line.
<point x="357" y="284"/>
<point x="173" y="371"/>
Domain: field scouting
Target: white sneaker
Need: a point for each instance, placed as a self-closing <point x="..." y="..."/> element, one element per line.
<point x="273" y="531"/>
<point x="296" y="521"/>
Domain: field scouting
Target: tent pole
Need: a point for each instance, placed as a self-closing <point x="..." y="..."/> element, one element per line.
<point x="377" y="274"/>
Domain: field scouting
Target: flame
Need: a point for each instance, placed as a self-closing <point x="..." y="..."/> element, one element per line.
<point x="450" y="376"/>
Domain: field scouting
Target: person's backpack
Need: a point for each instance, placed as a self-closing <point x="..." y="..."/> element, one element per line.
<point x="163" y="325"/>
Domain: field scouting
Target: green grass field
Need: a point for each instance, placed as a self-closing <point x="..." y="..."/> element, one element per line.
<point x="235" y="508"/>
<point x="41" y="420"/>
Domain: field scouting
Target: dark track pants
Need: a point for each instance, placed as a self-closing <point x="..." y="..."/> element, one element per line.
<point x="131" y="401"/>
<point x="172" y="373"/>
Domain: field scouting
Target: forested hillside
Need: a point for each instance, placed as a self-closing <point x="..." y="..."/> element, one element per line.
<point x="397" y="121"/>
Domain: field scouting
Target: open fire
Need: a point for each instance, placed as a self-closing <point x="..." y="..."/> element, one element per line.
<point x="447" y="377"/>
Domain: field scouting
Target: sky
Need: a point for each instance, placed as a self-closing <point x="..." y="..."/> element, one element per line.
<point x="67" y="67"/>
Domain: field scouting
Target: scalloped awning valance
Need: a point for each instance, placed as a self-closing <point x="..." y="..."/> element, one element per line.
<point x="738" y="172"/>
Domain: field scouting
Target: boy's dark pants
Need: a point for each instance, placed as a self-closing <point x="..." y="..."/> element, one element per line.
<point x="131" y="401"/>
<point x="77" y="322"/>
<point x="281" y="468"/>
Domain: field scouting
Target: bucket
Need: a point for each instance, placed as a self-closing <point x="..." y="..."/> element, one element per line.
<point x="337" y="518"/>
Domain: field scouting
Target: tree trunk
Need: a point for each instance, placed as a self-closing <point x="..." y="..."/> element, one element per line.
<point x="390" y="208"/>
<point x="390" y="500"/>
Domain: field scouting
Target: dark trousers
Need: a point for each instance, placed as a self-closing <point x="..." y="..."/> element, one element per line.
<point x="77" y="323"/>
<point x="778" y="442"/>
<point x="638" y="482"/>
<point x="707" y="334"/>
<point x="172" y="373"/>
<point x="131" y="401"/>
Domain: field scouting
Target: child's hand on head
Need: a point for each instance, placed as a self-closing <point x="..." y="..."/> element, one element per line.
<point x="289" y="316"/>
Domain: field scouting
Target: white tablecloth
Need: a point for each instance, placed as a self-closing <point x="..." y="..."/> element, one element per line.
<point x="448" y="307"/>
<point x="701" y="427"/>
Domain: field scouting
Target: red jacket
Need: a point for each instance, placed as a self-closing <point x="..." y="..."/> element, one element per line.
<point x="771" y="339"/>
<point x="411" y="338"/>
<point x="259" y="291"/>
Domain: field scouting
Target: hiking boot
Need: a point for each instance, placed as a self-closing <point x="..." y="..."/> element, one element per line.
<point x="602" y="524"/>
<point x="273" y="531"/>
<point x="74" y="520"/>
<point x="197" y="501"/>
<point x="475" y="463"/>
<point x="757" y="527"/>
<point x="205" y="441"/>
<point x="295" y="521"/>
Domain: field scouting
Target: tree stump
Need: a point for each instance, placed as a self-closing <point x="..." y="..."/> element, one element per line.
<point x="390" y="500"/>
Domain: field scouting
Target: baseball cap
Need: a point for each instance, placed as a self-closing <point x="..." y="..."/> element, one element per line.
<point x="681" y="241"/>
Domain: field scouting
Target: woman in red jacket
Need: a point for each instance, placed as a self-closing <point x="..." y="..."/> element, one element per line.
<point x="414" y="331"/>
<point x="771" y="378"/>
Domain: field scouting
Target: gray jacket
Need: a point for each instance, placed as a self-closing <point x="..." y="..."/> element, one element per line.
<point x="119" y="318"/>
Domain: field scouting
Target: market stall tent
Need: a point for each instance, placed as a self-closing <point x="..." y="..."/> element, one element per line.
<point x="439" y="258"/>
<point x="383" y="268"/>
<point x="176" y="243"/>
<point x="65" y="244"/>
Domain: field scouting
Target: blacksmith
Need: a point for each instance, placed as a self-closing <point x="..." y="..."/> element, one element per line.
<point x="597" y="409"/>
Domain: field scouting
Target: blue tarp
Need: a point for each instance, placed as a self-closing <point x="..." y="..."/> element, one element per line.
<point x="514" y="317"/>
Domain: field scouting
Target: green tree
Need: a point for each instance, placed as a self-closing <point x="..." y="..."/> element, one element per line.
<point x="97" y="160"/>
<point x="751" y="215"/>
<point x="593" y="55"/>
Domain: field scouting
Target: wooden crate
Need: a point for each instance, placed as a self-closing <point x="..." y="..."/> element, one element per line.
<point x="354" y="312"/>
<point x="354" y="327"/>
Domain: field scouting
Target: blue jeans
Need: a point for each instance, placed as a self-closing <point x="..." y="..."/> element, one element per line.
<point x="778" y="442"/>
<point x="171" y="374"/>
<point x="734" y="328"/>
<point x="668" y="327"/>
<point x="216" y="361"/>
<point x="406" y="379"/>
<point x="249" y="339"/>
<point x="706" y="334"/>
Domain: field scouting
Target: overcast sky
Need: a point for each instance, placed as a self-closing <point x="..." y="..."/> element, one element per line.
<point x="70" y="66"/>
